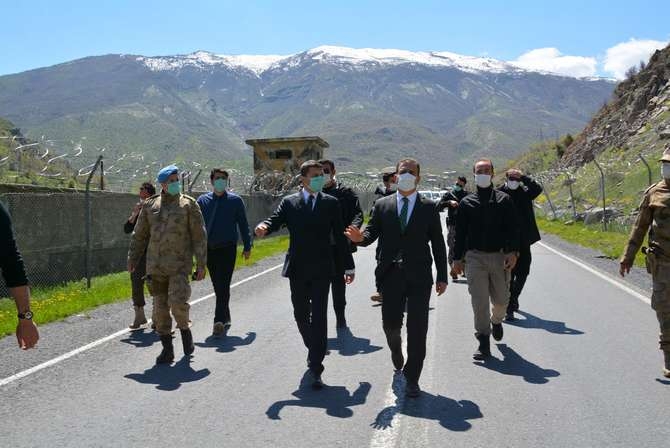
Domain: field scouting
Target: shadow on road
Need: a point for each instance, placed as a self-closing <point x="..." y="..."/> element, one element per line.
<point x="336" y="400"/>
<point x="513" y="364"/>
<point x="663" y="381"/>
<point x="348" y="345"/>
<point x="170" y="377"/>
<point x="552" y="326"/>
<point x="451" y="414"/>
<point x="226" y="344"/>
<point x="141" y="338"/>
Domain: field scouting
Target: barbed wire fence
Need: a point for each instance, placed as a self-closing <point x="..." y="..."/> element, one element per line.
<point x="600" y="195"/>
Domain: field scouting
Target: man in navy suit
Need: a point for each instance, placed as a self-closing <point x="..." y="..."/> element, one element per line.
<point x="313" y="220"/>
<point x="405" y="224"/>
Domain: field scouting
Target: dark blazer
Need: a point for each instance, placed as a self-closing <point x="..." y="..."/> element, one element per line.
<point x="309" y="253"/>
<point x="523" y="198"/>
<point x="411" y="247"/>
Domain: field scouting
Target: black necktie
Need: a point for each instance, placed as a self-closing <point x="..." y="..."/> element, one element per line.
<point x="403" y="214"/>
<point x="310" y="202"/>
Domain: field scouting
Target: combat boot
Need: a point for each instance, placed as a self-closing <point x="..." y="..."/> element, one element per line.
<point x="666" y="367"/>
<point x="167" y="355"/>
<point x="187" y="341"/>
<point x="484" y="349"/>
<point x="140" y="318"/>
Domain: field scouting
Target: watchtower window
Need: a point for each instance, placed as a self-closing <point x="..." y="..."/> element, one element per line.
<point x="281" y="154"/>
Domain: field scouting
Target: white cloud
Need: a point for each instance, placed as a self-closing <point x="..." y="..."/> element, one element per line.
<point x="551" y="60"/>
<point x="621" y="57"/>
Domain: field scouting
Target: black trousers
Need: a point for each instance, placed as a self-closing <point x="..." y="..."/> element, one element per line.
<point x="137" y="281"/>
<point x="399" y="289"/>
<point x="519" y="276"/>
<point x="221" y="263"/>
<point x="338" y="286"/>
<point x="310" y="310"/>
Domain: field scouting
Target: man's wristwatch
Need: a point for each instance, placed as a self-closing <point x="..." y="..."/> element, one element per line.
<point x="28" y="315"/>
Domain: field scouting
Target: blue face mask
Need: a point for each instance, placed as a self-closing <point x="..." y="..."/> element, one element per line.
<point x="457" y="187"/>
<point x="316" y="183"/>
<point x="174" y="188"/>
<point x="220" y="185"/>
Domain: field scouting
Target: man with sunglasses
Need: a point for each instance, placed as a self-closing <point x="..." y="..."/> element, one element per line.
<point x="137" y="276"/>
<point x="352" y="215"/>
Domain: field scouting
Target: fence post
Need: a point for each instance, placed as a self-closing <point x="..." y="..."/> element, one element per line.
<point x="546" y="193"/>
<point x="102" y="174"/>
<point x="602" y="191"/>
<point x="89" y="221"/>
<point x="192" y="182"/>
<point x="647" y="165"/>
<point x="570" y="180"/>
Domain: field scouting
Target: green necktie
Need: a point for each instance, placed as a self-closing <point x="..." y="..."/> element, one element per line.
<point x="403" y="214"/>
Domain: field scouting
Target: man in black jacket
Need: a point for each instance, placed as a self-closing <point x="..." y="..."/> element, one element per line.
<point x="450" y="201"/>
<point x="487" y="239"/>
<point x="14" y="274"/>
<point x="387" y="188"/>
<point x="352" y="215"/>
<point x="312" y="219"/>
<point x="137" y="276"/>
<point x="523" y="190"/>
<point x="405" y="224"/>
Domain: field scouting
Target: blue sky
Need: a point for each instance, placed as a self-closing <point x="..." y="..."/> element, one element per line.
<point x="572" y="37"/>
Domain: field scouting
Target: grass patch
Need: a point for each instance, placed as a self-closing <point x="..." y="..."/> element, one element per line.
<point x="58" y="302"/>
<point x="611" y="244"/>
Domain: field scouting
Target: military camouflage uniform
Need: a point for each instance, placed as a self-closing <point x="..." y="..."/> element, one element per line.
<point x="173" y="229"/>
<point x="655" y="213"/>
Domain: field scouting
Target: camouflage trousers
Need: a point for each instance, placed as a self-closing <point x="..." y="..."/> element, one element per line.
<point x="660" y="302"/>
<point x="171" y="294"/>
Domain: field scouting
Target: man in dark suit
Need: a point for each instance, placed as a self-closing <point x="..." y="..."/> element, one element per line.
<point x="405" y="223"/>
<point x="312" y="219"/>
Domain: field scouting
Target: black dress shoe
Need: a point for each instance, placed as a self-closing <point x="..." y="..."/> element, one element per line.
<point x="484" y="349"/>
<point x="398" y="360"/>
<point x="412" y="389"/>
<point x="509" y="316"/>
<point x="317" y="383"/>
<point x="497" y="331"/>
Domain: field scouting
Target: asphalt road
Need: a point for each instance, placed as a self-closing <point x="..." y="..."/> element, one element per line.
<point x="580" y="368"/>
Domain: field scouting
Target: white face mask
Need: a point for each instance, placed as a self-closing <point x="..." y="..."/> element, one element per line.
<point x="513" y="184"/>
<point x="483" y="180"/>
<point x="406" y="182"/>
<point x="665" y="170"/>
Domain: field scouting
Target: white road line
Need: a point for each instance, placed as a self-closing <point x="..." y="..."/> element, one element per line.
<point x="598" y="273"/>
<point x="101" y="341"/>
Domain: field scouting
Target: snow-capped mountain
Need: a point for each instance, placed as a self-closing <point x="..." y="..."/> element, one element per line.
<point x="344" y="56"/>
<point x="371" y="105"/>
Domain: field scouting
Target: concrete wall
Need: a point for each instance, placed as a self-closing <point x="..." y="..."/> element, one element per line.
<point x="50" y="227"/>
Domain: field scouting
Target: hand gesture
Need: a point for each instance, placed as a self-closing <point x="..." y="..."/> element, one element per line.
<point x="349" y="278"/>
<point x="27" y="334"/>
<point x="354" y="234"/>
<point x="246" y="254"/>
<point x="261" y="230"/>
<point x="199" y="274"/>
<point x="624" y="268"/>
<point x="440" y="288"/>
<point x="510" y="261"/>
<point x="459" y="268"/>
